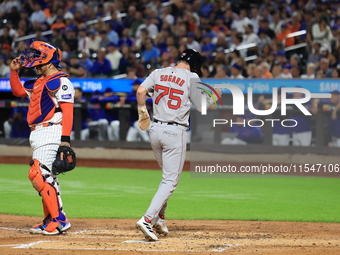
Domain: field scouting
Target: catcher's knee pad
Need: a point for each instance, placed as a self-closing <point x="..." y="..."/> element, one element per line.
<point x="35" y="175"/>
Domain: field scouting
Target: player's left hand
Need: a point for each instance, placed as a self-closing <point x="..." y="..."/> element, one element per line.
<point x="65" y="160"/>
<point x="143" y="118"/>
<point x="64" y="144"/>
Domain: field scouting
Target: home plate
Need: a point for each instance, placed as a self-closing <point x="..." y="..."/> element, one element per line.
<point x="141" y="241"/>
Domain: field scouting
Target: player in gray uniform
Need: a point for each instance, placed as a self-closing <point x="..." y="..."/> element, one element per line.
<point x="173" y="90"/>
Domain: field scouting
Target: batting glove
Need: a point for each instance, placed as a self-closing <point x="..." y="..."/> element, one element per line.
<point x="143" y="118"/>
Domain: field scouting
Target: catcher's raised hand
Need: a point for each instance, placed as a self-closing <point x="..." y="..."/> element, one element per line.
<point x="15" y="64"/>
<point x="143" y="118"/>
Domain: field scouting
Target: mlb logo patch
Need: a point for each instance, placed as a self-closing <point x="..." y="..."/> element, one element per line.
<point x="67" y="96"/>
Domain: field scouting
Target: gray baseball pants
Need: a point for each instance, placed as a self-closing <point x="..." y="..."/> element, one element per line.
<point x="168" y="143"/>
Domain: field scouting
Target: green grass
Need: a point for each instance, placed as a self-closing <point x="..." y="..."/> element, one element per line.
<point x="126" y="193"/>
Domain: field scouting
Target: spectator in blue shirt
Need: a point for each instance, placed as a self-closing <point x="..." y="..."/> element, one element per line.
<point x="207" y="46"/>
<point x="85" y="61"/>
<point x="151" y="53"/>
<point x="38" y="14"/>
<point x="125" y="39"/>
<point x="116" y="23"/>
<point x="111" y="33"/>
<point x="102" y="65"/>
<point x="100" y="11"/>
<point x="124" y="62"/>
<point x="207" y="7"/>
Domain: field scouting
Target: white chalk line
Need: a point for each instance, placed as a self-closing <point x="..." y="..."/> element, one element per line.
<point x="64" y="235"/>
<point x="96" y="230"/>
<point x="115" y="249"/>
<point x="30" y="245"/>
<point x="15" y="229"/>
<point x="25" y="246"/>
<point x="77" y="232"/>
<point x="220" y="249"/>
<point x="81" y="231"/>
<point x="141" y="241"/>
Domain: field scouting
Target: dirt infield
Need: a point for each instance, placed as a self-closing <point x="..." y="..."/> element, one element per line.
<point x="119" y="236"/>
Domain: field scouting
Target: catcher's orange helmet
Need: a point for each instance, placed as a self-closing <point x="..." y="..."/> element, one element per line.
<point x="40" y="53"/>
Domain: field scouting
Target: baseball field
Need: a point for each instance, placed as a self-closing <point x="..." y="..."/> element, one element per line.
<point x="227" y="215"/>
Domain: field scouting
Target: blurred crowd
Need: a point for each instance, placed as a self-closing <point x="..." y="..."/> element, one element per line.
<point x="238" y="39"/>
<point x="129" y="39"/>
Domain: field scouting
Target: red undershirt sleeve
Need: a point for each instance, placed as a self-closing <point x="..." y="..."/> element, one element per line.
<point x="67" y="122"/>
<point x="16" y="85"/>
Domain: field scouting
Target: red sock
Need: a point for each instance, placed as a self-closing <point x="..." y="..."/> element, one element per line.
<point x="147" y="220"/>
<point x="162" y="216"/>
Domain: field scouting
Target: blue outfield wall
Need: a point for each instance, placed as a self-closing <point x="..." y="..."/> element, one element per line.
<point x="260" y="86"/>
<point x="87" y="85"/>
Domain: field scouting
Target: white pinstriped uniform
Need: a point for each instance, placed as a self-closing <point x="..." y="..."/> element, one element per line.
<point x="46" y="140"/>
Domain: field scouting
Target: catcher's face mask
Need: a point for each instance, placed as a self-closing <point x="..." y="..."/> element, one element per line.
<point x="40" y="53"/>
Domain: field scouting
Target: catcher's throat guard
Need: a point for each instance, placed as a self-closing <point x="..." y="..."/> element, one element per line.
<point x="67" y="163"/>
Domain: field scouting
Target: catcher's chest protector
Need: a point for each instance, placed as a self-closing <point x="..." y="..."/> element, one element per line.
<point x="42" y="106"/>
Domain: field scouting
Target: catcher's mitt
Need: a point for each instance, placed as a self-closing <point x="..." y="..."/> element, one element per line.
<point x="66" y="164"/>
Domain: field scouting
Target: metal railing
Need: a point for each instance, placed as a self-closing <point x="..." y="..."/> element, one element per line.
<point x="297" y="46"/>
<point x="251" y="45"/>
<point x="87" y="23"/>
<point x="49" y="32"/>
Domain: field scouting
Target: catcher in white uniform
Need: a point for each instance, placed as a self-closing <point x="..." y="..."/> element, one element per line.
<point x="173" y="90"/>
<point x="50" y="117"/>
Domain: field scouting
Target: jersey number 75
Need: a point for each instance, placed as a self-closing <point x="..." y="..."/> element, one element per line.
<point x="174" y="101"/>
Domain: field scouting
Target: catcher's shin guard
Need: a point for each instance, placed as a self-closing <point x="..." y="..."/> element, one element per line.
<point x="45" y="189"/>
<point x="46" y="212"/>
<point x="50" y="199"/>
